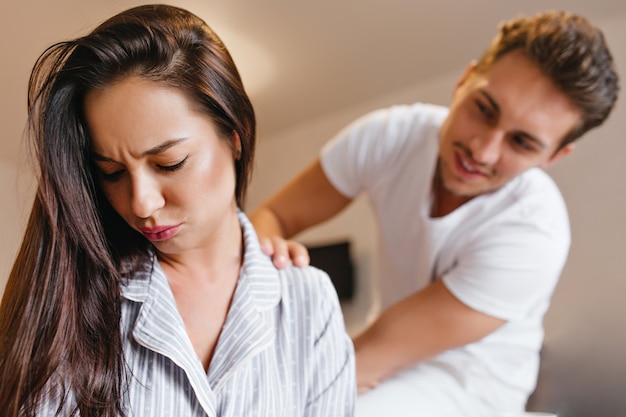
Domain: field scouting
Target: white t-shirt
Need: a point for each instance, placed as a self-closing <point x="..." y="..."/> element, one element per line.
<point x="500" y="253"/>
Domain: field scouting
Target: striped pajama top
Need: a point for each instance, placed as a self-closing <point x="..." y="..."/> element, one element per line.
<point x="283" y="349"/>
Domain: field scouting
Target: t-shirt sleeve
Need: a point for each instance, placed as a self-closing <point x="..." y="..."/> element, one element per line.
<point x="355" y="158"/>
<point x="511" y="267"/>
<point x="350" y="156"/>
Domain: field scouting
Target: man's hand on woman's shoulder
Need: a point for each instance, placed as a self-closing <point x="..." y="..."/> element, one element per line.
<point x="285" y="252"/>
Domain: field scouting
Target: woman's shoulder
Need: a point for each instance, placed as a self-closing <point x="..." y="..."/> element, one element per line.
<point x="309" y="290"/>
<point x="309" y="279"/>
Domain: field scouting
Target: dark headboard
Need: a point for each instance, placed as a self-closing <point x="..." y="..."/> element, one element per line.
<point x="335" y="259"/>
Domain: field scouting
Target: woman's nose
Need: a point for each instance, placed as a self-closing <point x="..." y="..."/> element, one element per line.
<point x="147" y="196"/>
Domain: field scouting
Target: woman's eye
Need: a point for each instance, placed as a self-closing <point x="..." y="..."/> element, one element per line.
<point x="173" y="167"/>
<point x="112" y="176"/>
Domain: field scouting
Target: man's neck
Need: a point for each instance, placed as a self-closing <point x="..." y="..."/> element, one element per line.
<point x="444" y="202"/>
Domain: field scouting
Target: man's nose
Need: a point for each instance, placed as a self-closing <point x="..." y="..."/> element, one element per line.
<point x="487" y="147"/>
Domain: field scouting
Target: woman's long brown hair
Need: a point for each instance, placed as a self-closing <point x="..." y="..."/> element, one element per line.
<point x="61" y="309"/>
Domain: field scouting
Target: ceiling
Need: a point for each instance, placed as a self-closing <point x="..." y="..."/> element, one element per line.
<point x="299" y="60"/>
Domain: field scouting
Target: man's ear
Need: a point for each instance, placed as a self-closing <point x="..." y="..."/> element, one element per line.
<point x="564" y="151"/>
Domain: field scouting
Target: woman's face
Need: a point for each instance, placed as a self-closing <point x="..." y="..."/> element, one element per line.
<point x="161" y="164"/>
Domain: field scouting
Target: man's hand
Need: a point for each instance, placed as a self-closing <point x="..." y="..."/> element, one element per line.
<point x="306" y="201"/>
<point x="285" y="252"/>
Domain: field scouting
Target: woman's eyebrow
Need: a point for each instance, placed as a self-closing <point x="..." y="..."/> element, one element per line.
<point x="152" y="151"/>
<point x="163" y="147"/>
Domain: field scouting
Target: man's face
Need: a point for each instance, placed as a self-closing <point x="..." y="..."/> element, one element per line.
<point x="502" y="122"/>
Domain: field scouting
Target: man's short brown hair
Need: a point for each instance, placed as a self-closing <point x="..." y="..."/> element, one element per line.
<point x="572" y="53"/>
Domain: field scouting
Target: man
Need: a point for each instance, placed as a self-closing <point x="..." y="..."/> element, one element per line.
<point x="473" y="233"/>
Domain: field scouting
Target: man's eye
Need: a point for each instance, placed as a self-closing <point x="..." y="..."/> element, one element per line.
<point x="486" y="111"/>
<point x="522" y="143"/>
<point x="173" y="167"/>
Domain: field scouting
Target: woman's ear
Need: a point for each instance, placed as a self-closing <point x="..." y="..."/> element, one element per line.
<point x="236" y="146"/>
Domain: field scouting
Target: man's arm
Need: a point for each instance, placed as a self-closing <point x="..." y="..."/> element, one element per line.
<point x="309" y="199"/>
<point x="417" y="328"/>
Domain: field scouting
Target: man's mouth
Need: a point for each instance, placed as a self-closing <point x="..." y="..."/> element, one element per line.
<point x="465" y="165"/>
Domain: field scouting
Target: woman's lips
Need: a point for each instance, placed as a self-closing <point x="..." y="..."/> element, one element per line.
<point x="159" y="233"/>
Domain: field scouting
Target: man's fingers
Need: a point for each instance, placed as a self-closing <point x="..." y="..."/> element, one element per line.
<point x="298" y="253"/>
<point x="266" y="246"/>
<point x="280" y="252"/>
<point x="285" y="252"/>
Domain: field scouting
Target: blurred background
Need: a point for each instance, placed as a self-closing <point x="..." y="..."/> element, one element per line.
<point x="312" y="67"/>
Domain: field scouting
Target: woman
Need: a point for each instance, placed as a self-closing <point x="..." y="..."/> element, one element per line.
<point x="140" y="288"/>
